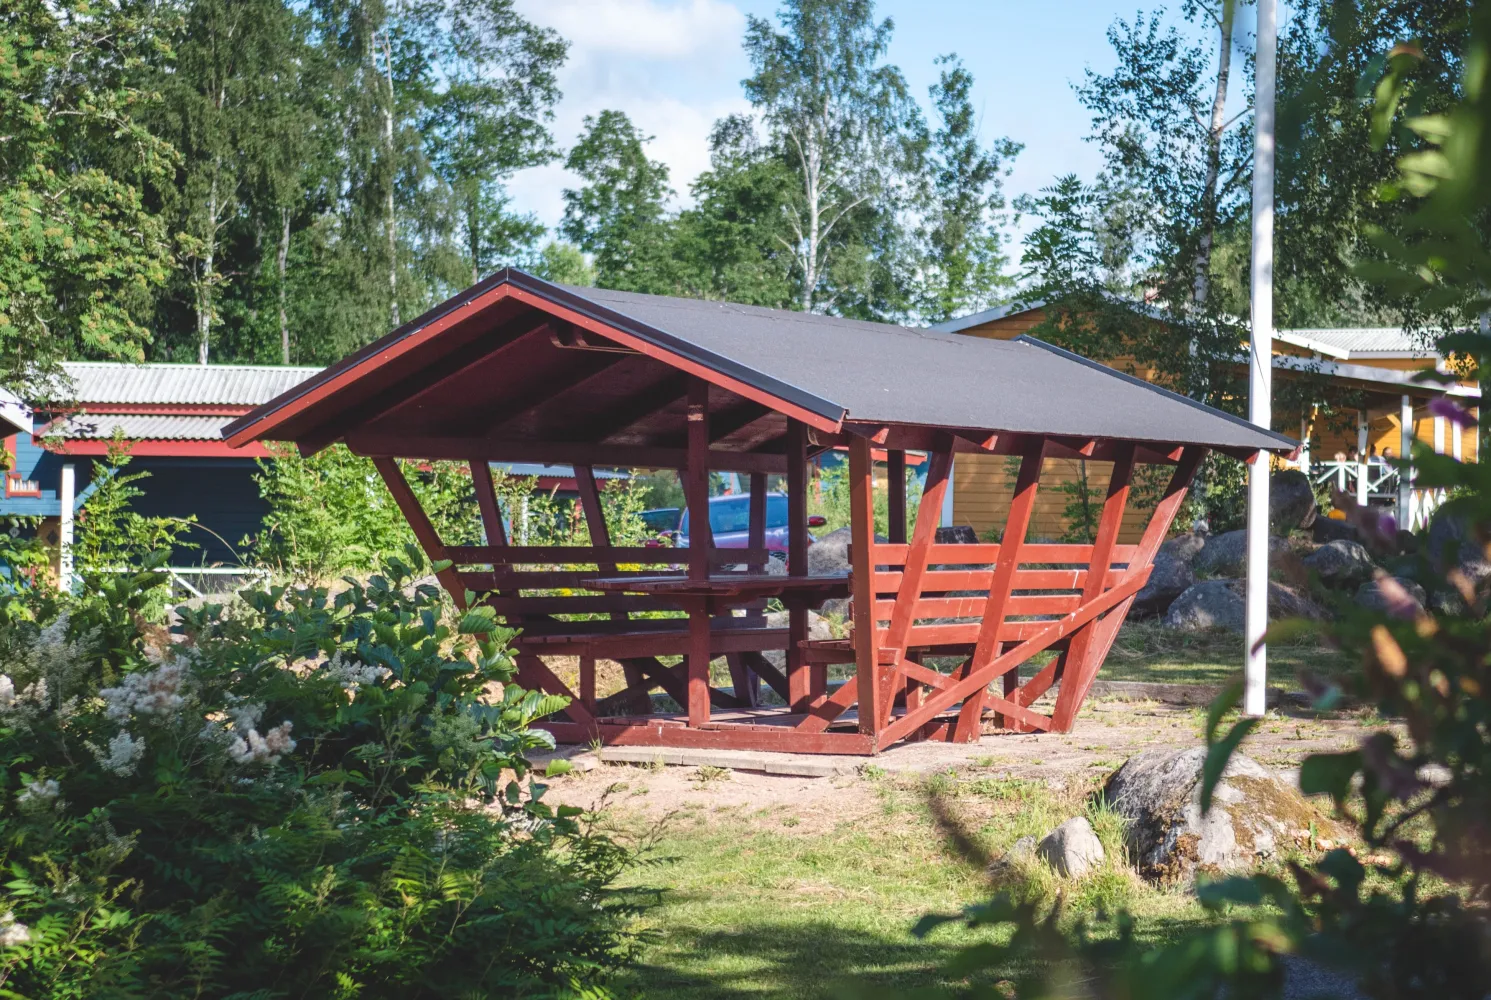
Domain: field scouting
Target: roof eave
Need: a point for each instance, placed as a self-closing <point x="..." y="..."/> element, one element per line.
<point x="261" y="422"/>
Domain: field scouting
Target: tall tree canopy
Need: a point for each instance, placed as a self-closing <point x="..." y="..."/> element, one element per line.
<point x="853" y="134"/>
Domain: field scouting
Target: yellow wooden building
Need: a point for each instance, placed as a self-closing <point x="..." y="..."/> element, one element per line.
<point x="1377" y="364"/>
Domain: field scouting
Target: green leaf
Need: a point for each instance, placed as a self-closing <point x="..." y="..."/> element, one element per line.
<point x="1329" y="773"/>
<point x="1217" y="757"/>
<point x="556" y="768"/>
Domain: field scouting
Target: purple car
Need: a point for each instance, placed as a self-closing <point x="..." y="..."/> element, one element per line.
<point x="730" y="522"/>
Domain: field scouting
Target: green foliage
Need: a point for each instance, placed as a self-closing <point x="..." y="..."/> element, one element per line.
<point x="1404" y="916"/>
<point x="617" y="216"/>
<point x="563" y="263"/>
<point x="305" y="794"/>
<point x="965" y="242"/>
<point x="331" y="513"/>
<point x="82" y="250"/>
<point x="849" y="131"/>
<point x="828" y="495"/>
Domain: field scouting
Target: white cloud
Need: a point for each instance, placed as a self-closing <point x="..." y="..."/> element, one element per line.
<point x="673" y="66"/>
<point x="651" y="28"/>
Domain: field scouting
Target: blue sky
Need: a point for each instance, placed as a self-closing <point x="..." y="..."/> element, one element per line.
<point x="675" y="66"/>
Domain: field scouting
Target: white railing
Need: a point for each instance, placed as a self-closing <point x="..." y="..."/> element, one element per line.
<point x="1377" y="480"/>
<point x="178" y="575"/>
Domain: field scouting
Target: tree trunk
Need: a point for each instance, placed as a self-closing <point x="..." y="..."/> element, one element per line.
<point x="473" y="237"/>
<point x="812" y="164"/>
<point x="205" y="274"/>
<point x="282" y="258"/>
<point x="1201" y="281"/>
<point x="389" y="224"/>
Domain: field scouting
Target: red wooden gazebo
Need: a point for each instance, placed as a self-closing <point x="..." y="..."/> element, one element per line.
<point x="517" y="369"/>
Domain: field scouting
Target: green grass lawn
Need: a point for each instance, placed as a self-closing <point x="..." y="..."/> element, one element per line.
<point x="783" y="901"/>
<point x="1146" y="652"/>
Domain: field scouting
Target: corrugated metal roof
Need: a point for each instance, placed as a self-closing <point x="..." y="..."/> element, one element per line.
<point x="223" y="385"/>
<point x="1364" y="340"/>
<point x="138" y="427"/>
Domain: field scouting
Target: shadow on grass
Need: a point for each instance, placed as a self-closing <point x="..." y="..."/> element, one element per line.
<point x="808" y="960"/>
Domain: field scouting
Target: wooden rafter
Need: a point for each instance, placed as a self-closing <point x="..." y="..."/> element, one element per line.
<point x="464" y="449"/>
<point x="419" y="523"/>
<point x="422" y="383"/>
<point x="585" y="369"/>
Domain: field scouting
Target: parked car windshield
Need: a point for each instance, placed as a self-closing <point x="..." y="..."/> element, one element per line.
<point x="733" y="514"/>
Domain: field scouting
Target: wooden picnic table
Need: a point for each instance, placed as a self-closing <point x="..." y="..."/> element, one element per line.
<point x="724" y="589"/>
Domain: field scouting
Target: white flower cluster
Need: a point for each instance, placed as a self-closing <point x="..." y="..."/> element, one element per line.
<point x="354" y="674"/>
<point x="26" y="703"/>
<point x="38" y="795"/>
<point x="124" y="754"/>
<point x="12" y="931"/>
<point x="156" y="692"/>
<point x="255" y="749"/>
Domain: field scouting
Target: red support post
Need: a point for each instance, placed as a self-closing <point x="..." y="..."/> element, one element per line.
<point x="800" y="689"/>
<point x="696" y="480"/>
<point x="424" y="531"/>
<point x="862" y="588"/>
<point x="696" y="489"/>
<point x="895" y="486"/>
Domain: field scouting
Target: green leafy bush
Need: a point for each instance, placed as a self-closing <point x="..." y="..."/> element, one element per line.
<point x="331" y="513"/>
<point x="306" y="794"/>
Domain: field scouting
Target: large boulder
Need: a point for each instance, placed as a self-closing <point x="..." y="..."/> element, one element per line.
<point x="1171" y="577"/>
<point x="1227" y="554"/>
<point x="1208" y="604"/>
<point x="1328" y="529"/>
<point x="1341" y="563"/>
<point x="1291" y="501"/>
<point x="958" y="534"/>
<point x="1392" y="595"/>
<point x="1219" y="604"/>
<point x="1255" y="815"/>
<point x="1184" y="546"/>
<point x="829" y="554"/>
<point x="1072" y="849"/>
<point x="1452" y="544"/>
<point x="817" y="630"/>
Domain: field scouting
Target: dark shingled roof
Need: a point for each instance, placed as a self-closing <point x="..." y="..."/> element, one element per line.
<point x="878" y="372"/>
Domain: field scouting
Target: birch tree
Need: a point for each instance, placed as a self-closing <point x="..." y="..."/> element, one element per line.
<point x="842" y="116"/>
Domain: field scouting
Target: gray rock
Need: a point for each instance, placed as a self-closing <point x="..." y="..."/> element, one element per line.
<point x="1227" y="554"/>
<point x="1393" y="595"/>
<point x="1219" y="604"/>
<point x="1326" y="529"/>
<point x="958" y="534"/>
<point x="1170" y="578"/>
<point x="1254" y="816"/>
<point x="1291" y="501"/>
<point x="1208" y="604"/>
<point x="817" y="629"/>
<point x="1072" y="849"/>
<point x="1020" y="851"/>
<point x="1184" y="546"/>
<point x="829" y="555"/>
<point x="1452" y="544"/>
<point x="1341" y="563"/>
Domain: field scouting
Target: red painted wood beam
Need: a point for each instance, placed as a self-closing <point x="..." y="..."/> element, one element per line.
<point x="465" y="449"/>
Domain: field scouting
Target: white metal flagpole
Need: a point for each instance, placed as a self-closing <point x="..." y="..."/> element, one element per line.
<point x="1260" y="357"/>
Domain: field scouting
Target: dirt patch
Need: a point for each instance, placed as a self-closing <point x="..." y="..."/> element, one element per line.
<point x="1107" y="734"/>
